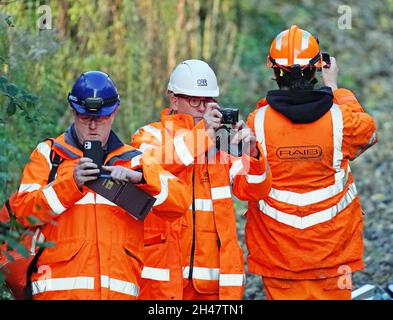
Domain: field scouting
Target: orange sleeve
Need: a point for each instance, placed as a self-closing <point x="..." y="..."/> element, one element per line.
<point x="173" y="153"/>
<point x="37" y="198"/>
<point x="252" y="178"/>
<point x="359" y="128"/>
<point x="173" y="196"/>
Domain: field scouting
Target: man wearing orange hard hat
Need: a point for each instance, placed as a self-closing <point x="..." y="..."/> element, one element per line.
<point x="305" y="239"/>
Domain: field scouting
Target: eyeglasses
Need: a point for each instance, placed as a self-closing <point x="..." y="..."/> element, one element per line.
<point x="97" y="119"/>
<point x="195" y="102"/>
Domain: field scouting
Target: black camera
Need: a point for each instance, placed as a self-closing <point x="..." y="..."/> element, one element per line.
<point x="229" y="115"/>
<point x="224" y="134"/>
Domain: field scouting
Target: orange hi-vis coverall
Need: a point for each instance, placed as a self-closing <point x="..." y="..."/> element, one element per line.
<point x="202" y="246"/>
<point x="310" y="226"/>
<point x="98" y="245"/>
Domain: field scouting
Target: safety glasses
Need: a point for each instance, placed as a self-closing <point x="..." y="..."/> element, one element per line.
<point x="195" y="102"/>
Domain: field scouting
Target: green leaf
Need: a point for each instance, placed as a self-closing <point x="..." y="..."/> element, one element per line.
<point x="3" y="80"/>
<point x="23" y="250"/>
<point x="8" y="20"/>
<point x="9" y="257"/>
<point x="11" y="109"/>
<point x="12" y="89"/>
<point x="2" y="278"/>
<point x="47" y="244"/>
<point x="34" y="220"/>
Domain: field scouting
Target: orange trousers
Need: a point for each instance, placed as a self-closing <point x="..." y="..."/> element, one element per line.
<point x="337" y="288"/>
<point x="189" y="293"/>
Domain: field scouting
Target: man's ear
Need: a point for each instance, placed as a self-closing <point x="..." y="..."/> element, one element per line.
<point x="174" y="101"/>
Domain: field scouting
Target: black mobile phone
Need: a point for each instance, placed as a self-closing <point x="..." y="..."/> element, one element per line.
<point x="92" y="149"/>
<point x="326" y="59"/>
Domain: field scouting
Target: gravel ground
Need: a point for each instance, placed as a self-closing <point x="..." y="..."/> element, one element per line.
<point x="373" y="173"/>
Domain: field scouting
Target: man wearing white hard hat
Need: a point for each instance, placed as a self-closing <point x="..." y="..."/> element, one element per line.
<point x="198" y="257"/>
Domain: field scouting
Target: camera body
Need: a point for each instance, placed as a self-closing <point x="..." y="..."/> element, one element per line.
<point x="224" y="134"/>
<point x="229" y="115"/>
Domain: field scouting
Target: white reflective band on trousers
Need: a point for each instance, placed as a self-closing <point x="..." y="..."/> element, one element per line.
<point x="213" y="274"/>
<point x="53" y="200"/>
<point x="161" y="197"/>
<point x="159" y="274"/>
<point x="116" y="285"/>
<point x="56" y="284"/>
<point x="313" y="218"/>
<point x="182" y="151"/>
<point x="340" y="177"/>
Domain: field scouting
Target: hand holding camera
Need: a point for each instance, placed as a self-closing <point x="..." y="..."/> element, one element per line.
<point x="212" y="119"/>
<point x="227" y="130"/>
<point x="330" y="75"/>
<point x="246" y="138"/>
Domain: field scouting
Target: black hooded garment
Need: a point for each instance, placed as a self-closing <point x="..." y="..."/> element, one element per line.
<point x="301" y="106"/>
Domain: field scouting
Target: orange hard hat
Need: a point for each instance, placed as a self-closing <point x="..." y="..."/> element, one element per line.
<point x="294" y="46"/>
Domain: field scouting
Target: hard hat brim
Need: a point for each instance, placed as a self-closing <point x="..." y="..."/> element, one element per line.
<point x="102" y="112"/>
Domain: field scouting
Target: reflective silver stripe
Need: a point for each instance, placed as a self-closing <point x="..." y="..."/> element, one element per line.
<point x="200" y="273"/>
<point x="161" y="197"/>
<point x="102" y="200"/>
<point x="304" y="199"/>
<point x="53" y="200"/>
<point x="136" y="161"/>
<point x="182" y="151"/>
<point x="301" y="61"/>
<point x="220" y="193"/>
<point x="259" y="126"/>
<point x="158" y="274"/>
<point x="145" y="146"/>
<point x="305" y="39"/>
<point x="120" y="286"/>
<point x="279" y="40"/>
<point x="341" y="175"/>
<point x="34" y="241"/>
<point x="337" y="121"/>
<point x="203" y="204"/>
<point x="256" y="178"/>
<point x="282" y="61"/>
<point x="365" y="147"/>
<point x="234" y="279"/>
<point x="44" y="149"/>
<point x="29" y="187"/>
<point x="156" y="133"/>
<point x="87" y="199"/>
<point x="55" y="284"/>
<point x="312" y="219"/>
<point x="236" y="167"/>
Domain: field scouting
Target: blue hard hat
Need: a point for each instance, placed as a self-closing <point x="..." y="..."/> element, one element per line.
<point x="94" y="94"/>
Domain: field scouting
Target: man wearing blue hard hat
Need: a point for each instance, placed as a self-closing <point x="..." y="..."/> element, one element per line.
<point x="98" y="251"/>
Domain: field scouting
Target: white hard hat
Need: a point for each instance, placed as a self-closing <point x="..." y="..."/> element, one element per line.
<point x="194" y="78"/>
